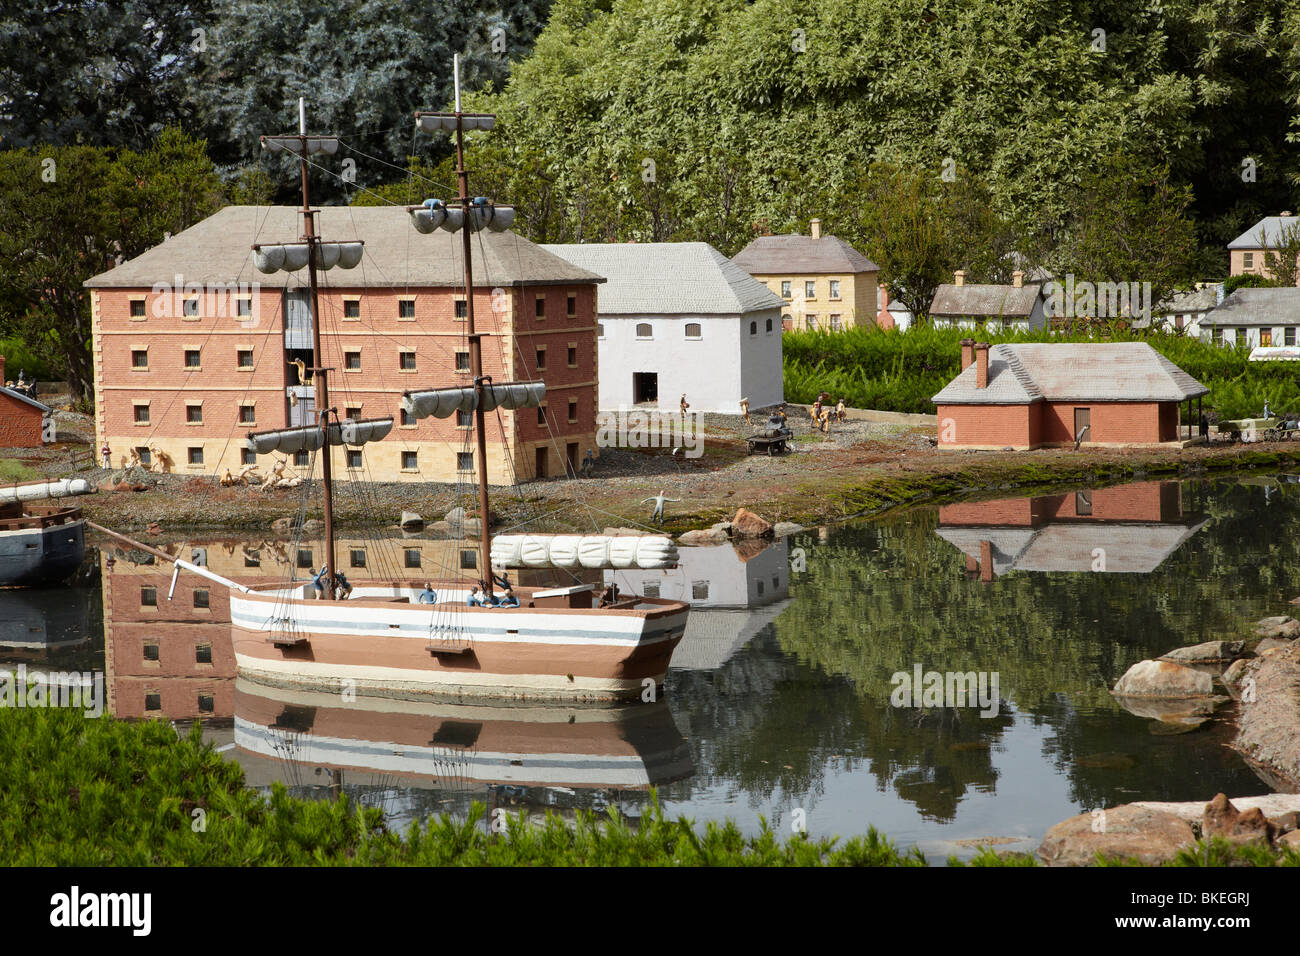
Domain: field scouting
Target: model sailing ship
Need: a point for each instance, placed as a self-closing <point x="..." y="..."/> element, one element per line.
<point x="558" y="644"/>
<point x="41" y="544"/>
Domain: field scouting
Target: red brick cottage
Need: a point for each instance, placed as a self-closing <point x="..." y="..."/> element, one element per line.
<point x="22" y="419"/>
<point x="1037" y="394"/>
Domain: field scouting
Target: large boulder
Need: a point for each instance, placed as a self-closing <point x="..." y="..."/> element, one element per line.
<point x="1222" y="819"/>
<point x="1211" y="652"/>
<point x="1282" y="626"/>
<point x="1236" y="671"/>
<point x="783" y="528"/>
<point x="1129" y="831"/>
<point x="703" y="537"/>
<point x="1163" y="679"/>
<point x="1271" y="643"/>
<point x="746" y="524"/>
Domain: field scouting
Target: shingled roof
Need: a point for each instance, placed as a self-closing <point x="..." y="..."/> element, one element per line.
<point x="669" y="278"/>
<point x="979" y="300"/>
<point x="1073" y="372"/>
<point x="1265" y="233"/>
<point x="219" y="249"/>
<point x="796" y="255"/>
<point x="1267" y="306"/>
<point x="1131" y="548"/>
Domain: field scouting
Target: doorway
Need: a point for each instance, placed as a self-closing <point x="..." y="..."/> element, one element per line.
<point x="571" y="454"/>
<point x="645" y="387"/>
<point x="1082" y="424"/>
<point x="540" y="471"/>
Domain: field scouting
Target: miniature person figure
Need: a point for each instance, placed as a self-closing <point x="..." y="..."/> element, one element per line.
<point x="428" y="595"/>
<point x="508" y="599"/>
<point x="684" y="405"/>
<point x="589" y="462"/>
<point x="501" y="581"/>
<point x="475" y="598"/>
<point x="342" y="588"/>
<point x="839" y="411"/>
<point x="609" y="595"/>
<point x="817" y="412"/>
<point x="319" y="578"/>
<point x="106" y="453"/>
<point x="744" y="410"/>
<point x="659" y="500"/>
<point x="780" y="410"/>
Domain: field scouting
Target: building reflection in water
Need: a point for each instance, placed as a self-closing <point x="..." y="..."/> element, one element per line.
<point x="1127" y="529"/>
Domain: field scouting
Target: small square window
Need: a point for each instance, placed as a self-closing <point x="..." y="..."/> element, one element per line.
<point x="357" y="557"/>
<point x="153" y="701"/>
<point x="1083" y="502"/>
<point x="354" y="458"/>
<point x="244" y="307"/>
<point x="406" y="308"/>
<point x="462" y="309"/>
<point x="352" y="361"/>
<point x="462" y="361"/>
<point x="693" y="330"/>
<point x="352" y="411"/>
<point x="192" y="307"/>
<point x="194" y="416"/>
<point x="835" y="288"/>
<point x="810" y="289"/>
<point x="305" y="558"/>
<point x="146" y="456"/>
<point x="1248" y="260"/>
<point x="464" y="419"/>
<point x="650" y="589"/>
<point x="207" y="704"/>
<point x="151" y="652"/>
<point x="195" y="455"/>
<point x="192" y="358"/>
<point x="468" y="559"/>
<point x="760" y="586"/>
<point x="573" y="356"/>
<point x="699" y="590"/>
<point x="540" y="307"/>
<point x="244" y="358"/>
<point x="572" y="306"/>
<point x="541" y="359"/>
<point x="541" y="414"/>
<point x="141" y="413"/>
<point x="573" y="410"/>
<point x="464" y="461"/>
<point x="301" y="459"/>
<point x="247" y="414"/>
<point x="406" y="418"/>
<point x="137" y="309"/>
<point x="1288" y="335"/>
<point x="148" y="597"/>
<point x="201" y="599"/>
<point x="410" y="460"/>
<point x="785" y="290"/>
<point x="406" y="361"/>
<point x="600" y="330"/>
<point x="413" y="557"/>
<point x="139" y="358"/>
<point x="643" y="330"/>
<point x="203" y="653"/>
<point x="247" y="456"/>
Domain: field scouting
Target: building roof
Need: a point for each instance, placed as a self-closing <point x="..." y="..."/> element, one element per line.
<point x="1073" y="371"/>
<point x="1189" y="300"/>
<point x="665" y="278"/>
<point x="218" y="249"/>
<point x="1269" y="306"/>
<point x="797" y="255"/>
<point x="978" y="300"/>
<point x="1265" y="233"/>
<point x="19" y="396"/>
<point x="1136" y="548"/>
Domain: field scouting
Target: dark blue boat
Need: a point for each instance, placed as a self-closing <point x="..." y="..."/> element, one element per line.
<point x="40" y="546"/>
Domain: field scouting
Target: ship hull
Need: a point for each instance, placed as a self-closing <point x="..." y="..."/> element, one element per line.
<point x="380" y="649"/>
<point x="32" y="557"/>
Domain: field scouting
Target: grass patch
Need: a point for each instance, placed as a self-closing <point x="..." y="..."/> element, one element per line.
<point x="12" y="470"/>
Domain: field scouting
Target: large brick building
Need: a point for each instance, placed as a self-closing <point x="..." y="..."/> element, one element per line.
<point x="1035" y="394"/>
<point x="194" y="347"/>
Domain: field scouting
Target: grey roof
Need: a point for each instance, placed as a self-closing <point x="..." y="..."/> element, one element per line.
<point x="1272" y="306"/>
<point x="1073" y="371"/>
<point x="218" y="249"/>
<point x="956" y="301"/>
<point x="1191" y="300"/>
<point x="666" y="278"/>
<point x="1265" y="233"/>
<point x="1131" y="548"/>
<point x="801" y="255"/>
<point x="45" y="409"/>
<point x="713" y="636"/>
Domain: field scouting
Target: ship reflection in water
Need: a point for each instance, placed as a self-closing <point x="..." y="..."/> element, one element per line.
<point x="1127" y="529"/>
<point x="172" y="658"/>
<point x="48" y="625"/>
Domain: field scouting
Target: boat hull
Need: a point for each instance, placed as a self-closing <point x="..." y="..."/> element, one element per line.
<point x="31" y="557"/>
<point x="379" y="649"/>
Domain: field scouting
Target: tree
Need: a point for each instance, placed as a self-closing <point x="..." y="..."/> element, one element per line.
<point x="71" y="212"/>
<point x="1282" y="256"/>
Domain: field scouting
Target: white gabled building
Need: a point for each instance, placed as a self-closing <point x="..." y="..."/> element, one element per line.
<point x="680" y="318"/>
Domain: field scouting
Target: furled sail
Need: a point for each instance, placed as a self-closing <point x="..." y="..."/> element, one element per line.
<point x="592" y="551"/>
<point x="444" y="402"/>
<point x="288" y="441"/>
<point x="47" y="489"/>
<point x="316" y="145"/>
<point x="292" y="256"/>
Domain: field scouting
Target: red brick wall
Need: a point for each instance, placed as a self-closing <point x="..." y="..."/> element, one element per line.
<point x="20" y="423"/>
<point x="1009" y="512"/>
<point x="995" y="426"/>
<point x="1116" y="422"/>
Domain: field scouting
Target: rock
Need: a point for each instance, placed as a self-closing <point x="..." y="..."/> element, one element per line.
<point x="1163" y="679"/>
<point x="1222" y="819"/>
<point x="154" y="528"/>
<point x="783" y="528"/>
<point x="440" y="527"/>
<point x="1290" y="841"/>
<point x="411" y="520"/>
<point x="1295" y="600"/>
<point x="620" y="532"/>
<point x="1266" y="723"/>
<point x="1278" y="627"/>
<point x="1271" y="643"/>
<point x="1188" y="712"/>
<point x="454" y="517"/>
<point x="123" y="486"/>
<point x="1207" y="653"/>
<point x="1236" y="671"/>
<point x="282" y="525"/>
<point x="723" y="526"/>
<point x="1286" y="822"/>
<point x="312" y="525"/>
<point x="1126" y="831"/>
<point x="746" y="524"/>
<point x="702" y="537"/>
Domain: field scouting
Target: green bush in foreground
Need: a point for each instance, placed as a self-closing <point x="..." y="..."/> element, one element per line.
<point x="82" y="792"/>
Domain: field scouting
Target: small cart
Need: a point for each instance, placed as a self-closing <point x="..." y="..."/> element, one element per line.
<point x="772" y="440"/>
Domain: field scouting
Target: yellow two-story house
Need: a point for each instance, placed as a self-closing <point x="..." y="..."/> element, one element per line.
<point x="824" y="282"/>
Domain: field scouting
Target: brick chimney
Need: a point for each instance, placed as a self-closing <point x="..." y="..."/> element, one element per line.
<point x="815" y="227"/>
<point x="1018" y="279"/>
<point x="981" y="365"/>
<point x="959" y="277"/>
<point x="967" y="353"/>
<point x="884" y="318"/>
<point x="986" y="561"/>
<point x="2" y="370"/>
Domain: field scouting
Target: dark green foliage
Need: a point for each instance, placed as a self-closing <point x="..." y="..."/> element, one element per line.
<point x="1247" y="280"/>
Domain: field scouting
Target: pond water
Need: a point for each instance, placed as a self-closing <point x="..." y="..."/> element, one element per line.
<point x="779" y="702"/>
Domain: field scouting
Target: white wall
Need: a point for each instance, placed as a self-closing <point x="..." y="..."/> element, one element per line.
<point x="715" y="371"/>
<point x="731" y="582"/>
